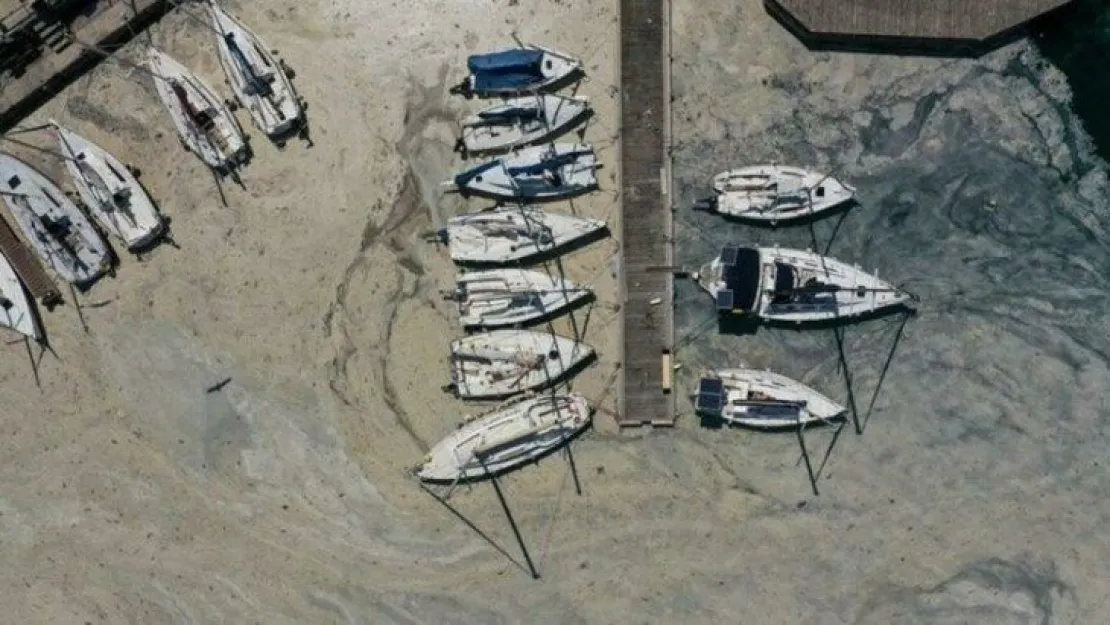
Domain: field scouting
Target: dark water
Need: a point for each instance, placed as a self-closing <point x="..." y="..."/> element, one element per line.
<point x="982" y="190"/>
<point x="1077" y="41"/>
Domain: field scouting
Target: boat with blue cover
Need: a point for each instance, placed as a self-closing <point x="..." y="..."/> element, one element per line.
<point x="521" y="121"/>
<point x="786" y="285"/>
<point x="546" y="172"/>
<point x="527" y="69"/>
<point x="762" y="399"/>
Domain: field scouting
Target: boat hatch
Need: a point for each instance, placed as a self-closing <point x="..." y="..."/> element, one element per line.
<point x="711" y="396"/>
<point x="820" y="191"/>
<point x="784" y="283"/>
<point x="14" y="182"/>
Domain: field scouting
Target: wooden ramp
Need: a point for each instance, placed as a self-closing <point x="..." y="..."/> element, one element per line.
<point x="28" y="268"/>
<point x="647" y="284"/>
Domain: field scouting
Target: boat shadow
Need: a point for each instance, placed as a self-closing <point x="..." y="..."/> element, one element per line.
<point x="544" y="256"/>
<point x="840" y="210"/>
<point x="719" y="423"/>
<point x="747" y="325"/>
<point x="525" y="200"/>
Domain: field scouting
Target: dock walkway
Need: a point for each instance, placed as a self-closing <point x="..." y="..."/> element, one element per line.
<point x="647" y="285"/>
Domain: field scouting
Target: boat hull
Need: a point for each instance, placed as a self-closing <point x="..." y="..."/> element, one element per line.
<point x="222" y="145"/>
<point x="137" y="222"/>
<point x="17" y="310"/>
<point x="513" y="235"/>
<point x="507" y="297"/>
<point x="552" y="69"/>
<point x="56" y="229"/>
<point x="493" y="131"/>
<point x="762" y="399"/>
<point x="538" y="173"/>
<point x="502" y="363"/>
<point x="506" y="438"/>
<point x="277" y="113"/>
<point x="776" y="193"/>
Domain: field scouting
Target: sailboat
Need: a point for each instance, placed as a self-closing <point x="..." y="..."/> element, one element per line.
<point x="528" y="69"/>
<point x="542" y="172"/>
<point x="256" y="77"/>
<point x="785" y="285"/>
<point x="507" y="297"/>
<point x="512" y="434"/>
<point x="111" y="192"/>
<point x="521" y="121"/>
<point x="762" y="399"/>
<point x="17" y="311"/>
<point x="511" y="235"/>
<point x="502" y="363"/>
<point x="775" y="193"/>
<point x="57" y="230"/>
<point x="203" y="121"/>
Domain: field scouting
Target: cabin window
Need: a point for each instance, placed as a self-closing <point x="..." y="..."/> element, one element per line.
<point x="553" y="354"/>
<point x="821" y="191"/>
<point x="14" y="182"/>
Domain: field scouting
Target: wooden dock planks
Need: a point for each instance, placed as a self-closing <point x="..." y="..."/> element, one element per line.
<point x="27" y="267"/>
<point x="647" y="319"/>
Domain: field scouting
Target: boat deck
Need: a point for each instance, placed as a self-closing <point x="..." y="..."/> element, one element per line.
<point x="647" y="285"/>
<point x="27" y="266"/>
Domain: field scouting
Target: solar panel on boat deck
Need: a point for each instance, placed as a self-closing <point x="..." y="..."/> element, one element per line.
<point x="724" y="299"/>
<point x="729" y="254"/>
<point x="711" y="396"/>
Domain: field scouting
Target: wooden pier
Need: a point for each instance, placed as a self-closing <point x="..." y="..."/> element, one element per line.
<point x="56" y="61"/>
<point x="647" y="284"/>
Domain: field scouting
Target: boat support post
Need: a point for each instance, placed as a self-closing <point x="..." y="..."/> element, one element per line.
<point x="509" y="515"/>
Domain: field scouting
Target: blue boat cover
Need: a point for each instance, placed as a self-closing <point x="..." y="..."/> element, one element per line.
<point x="511" y="114"/>
<point x="711" y="397"/>
<point x="741" y="276"/>
<point x="540" y="167"/>
<point x="463" y="179"/>
<point x="508" y="70"/>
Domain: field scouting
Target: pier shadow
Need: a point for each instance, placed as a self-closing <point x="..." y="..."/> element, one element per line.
<point x="936" y="47"/>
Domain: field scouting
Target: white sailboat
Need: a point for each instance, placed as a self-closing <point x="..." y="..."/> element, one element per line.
<point x="762" y="399"/>
<point x="56" y="229"/>
<point x="507" y="297"/>
<point x="17" y="311"/>
<point x="521" y="121"/>
<point x="542" y="172"/>
<point x="506" y="362"/>
<point x="775" y="193"/>
<point x="201" y="118"/>
<point x="513" y="234"/>
<point x="528" y="69"/>
<point x="110" y="191"/>
<point x="786" y="285"/>
<point x="505" y="438"/>
<point x="256" y="77"/>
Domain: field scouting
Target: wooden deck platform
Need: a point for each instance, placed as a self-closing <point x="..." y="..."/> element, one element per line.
<point x="108" y="24"/>
<point x="27" y="266"/>
<point x="951" y="20"/>
<point x="647" y="285"/>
